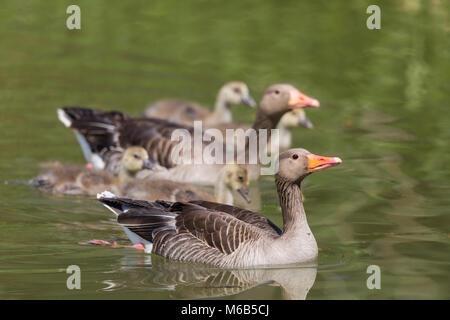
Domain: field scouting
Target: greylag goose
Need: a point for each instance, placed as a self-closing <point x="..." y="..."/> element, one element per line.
<point x="99" y="130"/>
<point x="222" y="235"/>
<point x="62" y="178"/>
<point x="186" y="112"/>
<point x="232" y="177"/>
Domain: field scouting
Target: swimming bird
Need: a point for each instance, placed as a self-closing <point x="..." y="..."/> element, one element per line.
<point x="99" y="129"/>
<point x="186" y="112"/>
<point x="60" y="178"/>
<point x="222" y="235"/>
<point x="232" y="178"/>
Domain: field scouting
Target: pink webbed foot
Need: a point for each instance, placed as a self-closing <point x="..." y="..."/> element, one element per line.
<point x="138" y="246"/>
<point x="96" y="242"/>
<point x="114" y="244"/>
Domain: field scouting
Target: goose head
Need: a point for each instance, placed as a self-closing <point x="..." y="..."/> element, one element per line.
<point x="295" y="164"/>
<point x="135" y="159"/>
<point x="236" y="179"/>
<point x="281" y="98"/>
<point x="294" y="118"/>
<point x="236" y="92"/>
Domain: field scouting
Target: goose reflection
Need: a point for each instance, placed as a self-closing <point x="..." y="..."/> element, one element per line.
<point x="196" y="281"/>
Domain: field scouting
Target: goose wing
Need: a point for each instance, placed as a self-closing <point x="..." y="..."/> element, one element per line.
<point x="96" y="126"/>
<point x="183" y="230"/>
<point x="154" y="135"/>
<point x="247" y="216"/>
<point x="141" y="217"/>
<point x="98" y="130"/>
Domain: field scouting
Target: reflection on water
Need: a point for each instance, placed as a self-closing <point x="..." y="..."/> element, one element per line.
<point x="384" y="110"/>
<point x="194" y="281"/>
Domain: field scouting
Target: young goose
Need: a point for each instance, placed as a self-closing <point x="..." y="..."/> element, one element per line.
<point x="73" y="179"/>
<point x="98" y="132"/>
<point x="186" y="112"/>
<point x="222" y="235"/>
<point x="232" y="177"/>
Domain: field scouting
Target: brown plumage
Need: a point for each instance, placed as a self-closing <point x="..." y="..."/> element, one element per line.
<point x="290" y="120"/>
<point x="154" y="134"/>
<point x="232" y="177"/>
<point x="222" y="235"/>
<point x="60" y="178"/>
<point x="186" y="112"/>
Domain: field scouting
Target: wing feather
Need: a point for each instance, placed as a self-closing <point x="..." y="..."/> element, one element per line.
<point x="245" y="215"/>
<point x="185" y="231"/>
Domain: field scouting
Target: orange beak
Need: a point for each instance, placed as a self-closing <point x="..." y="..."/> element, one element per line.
<point x="317" y="163"/>
<point x="300" y="100"/>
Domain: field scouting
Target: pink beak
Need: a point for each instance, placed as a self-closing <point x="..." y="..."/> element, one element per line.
<point x="301" y="100"/>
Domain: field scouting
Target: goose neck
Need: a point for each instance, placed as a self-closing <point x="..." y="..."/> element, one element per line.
<point x="265" y="121"/>
<point x="222" y="108"/>
<point x="125" y="175"/>
<point x="222" y="192"/>
<point x="294" y="216"/>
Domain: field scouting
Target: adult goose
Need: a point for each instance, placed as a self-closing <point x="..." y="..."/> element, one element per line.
<point x="100" y="129"/>
<point x="227" y="236"/>
<point x="232" y="178"/>
<point x="290" y="120"/>
<point x="186" y="112"/>
<point x="59" y="178"/>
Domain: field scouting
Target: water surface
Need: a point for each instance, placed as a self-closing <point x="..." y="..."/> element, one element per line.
<point x="384" y="110"/>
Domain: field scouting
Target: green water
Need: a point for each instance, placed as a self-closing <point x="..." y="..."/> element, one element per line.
<point x="384" y="110"/>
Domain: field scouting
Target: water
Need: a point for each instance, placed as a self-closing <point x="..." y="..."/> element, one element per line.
<point x="384" y="110"/>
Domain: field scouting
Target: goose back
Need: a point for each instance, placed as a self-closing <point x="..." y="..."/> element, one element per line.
<point x="177" y="110"/>
<point x="193" y="232"/>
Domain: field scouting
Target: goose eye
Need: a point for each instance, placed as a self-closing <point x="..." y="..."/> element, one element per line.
<point x="277" y="92"/>
<point x="295" y="156"/>
<point x="136" y="156"/>
<point x="237" y="90"/>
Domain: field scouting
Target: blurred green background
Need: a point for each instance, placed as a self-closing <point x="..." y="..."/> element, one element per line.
<point x="384" y="110"/>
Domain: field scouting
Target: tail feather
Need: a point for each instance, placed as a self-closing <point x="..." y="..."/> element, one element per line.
<point x="79" y="117"/>
<point x="95" y="130"/>
<point x="140" y="219"/>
